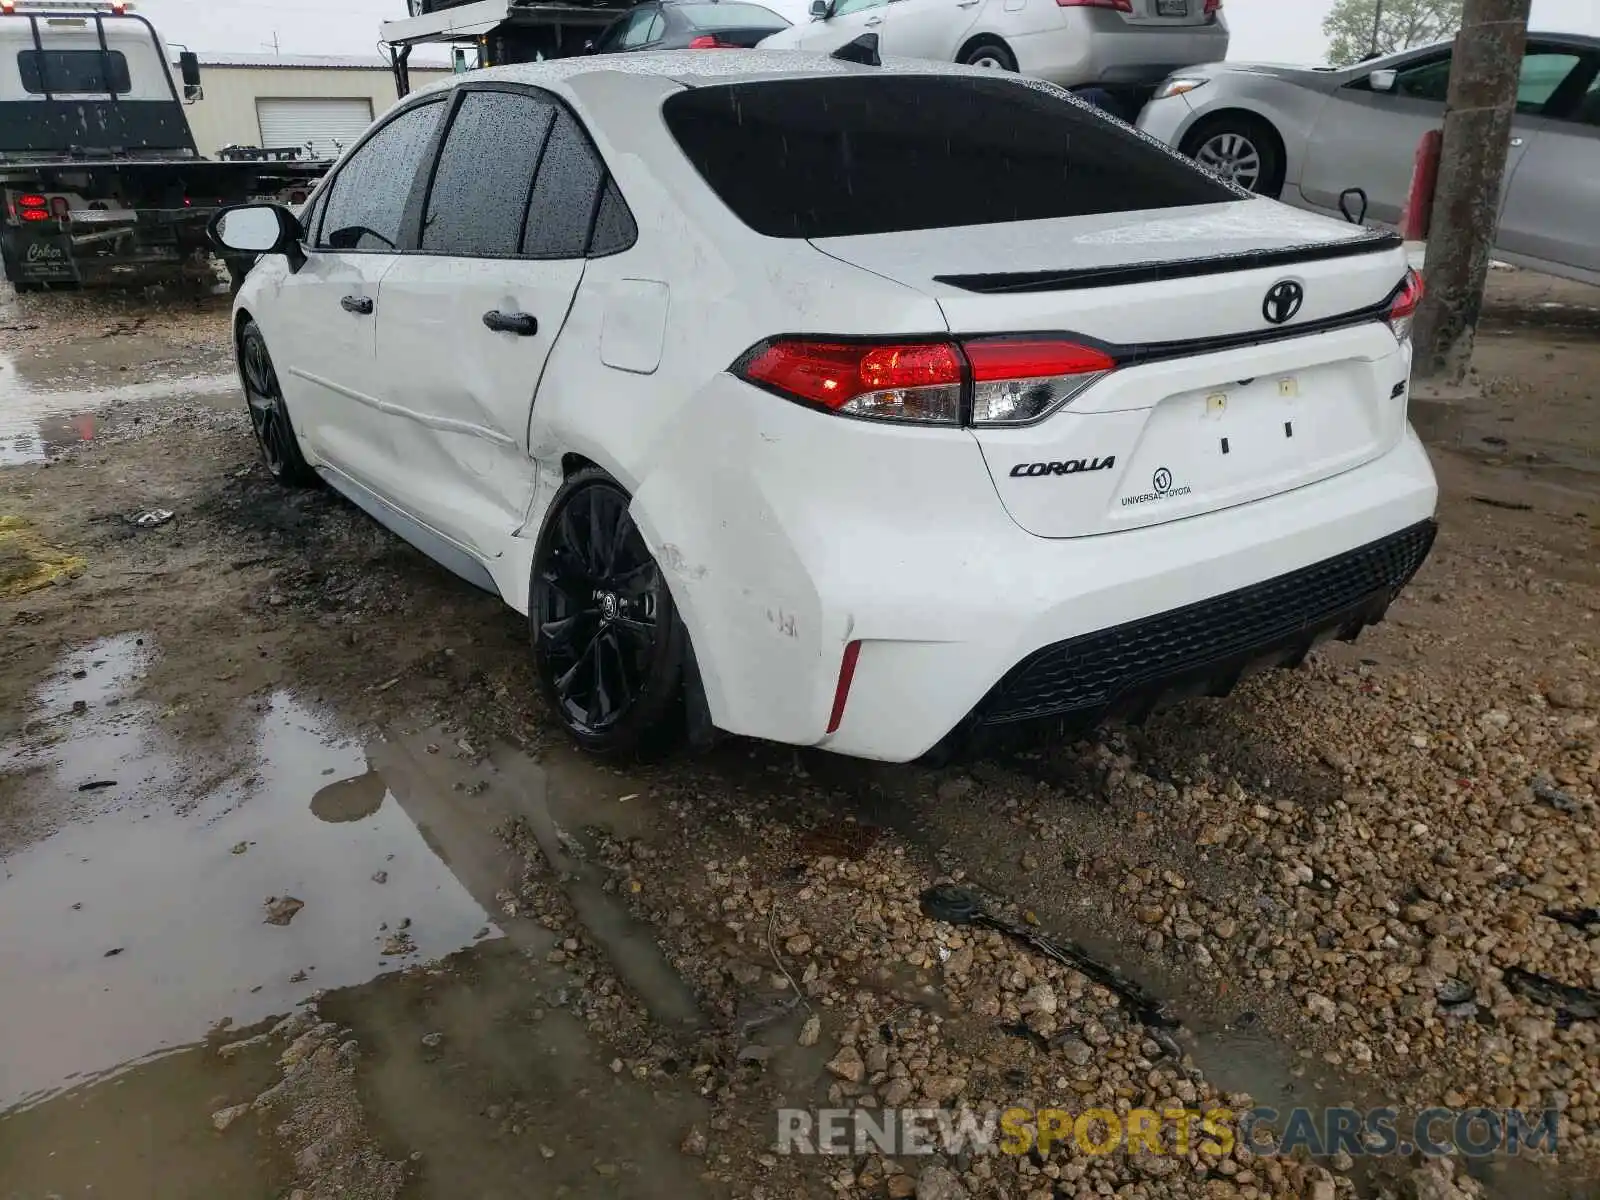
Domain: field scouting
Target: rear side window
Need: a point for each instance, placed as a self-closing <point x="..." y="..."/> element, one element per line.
<point x="479" y="198"/>
<point x="837" y="156"/>
<point x="566" y="194"/>
<point x="368" y="198"/>
<point x="729" y="15"/>
<point x="74" y="71"/>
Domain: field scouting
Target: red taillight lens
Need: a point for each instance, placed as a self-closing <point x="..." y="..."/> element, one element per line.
<point x="911" y="382"/>
<point x="1213" y="7"/>
<point x="35" y="214"/>
<point x="1405" y="305"/>
<point x="33" y="201"/>
<point x="707" y="42"/>
<point x="1120" y="5"/>
<point x="1009" y="380"/>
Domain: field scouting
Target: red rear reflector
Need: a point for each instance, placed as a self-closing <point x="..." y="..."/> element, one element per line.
<point x="841" y="694"/>
<point x="33" y="201"/>
<point x="60" y="207"/>
<point x="834" y="373"/>
<point x="35" y="214"/>
<point x="1213" y="7"/>
<point x="706" y="42"/>
<point x="1120" y="5"/>
<point x="1023" y="358"/>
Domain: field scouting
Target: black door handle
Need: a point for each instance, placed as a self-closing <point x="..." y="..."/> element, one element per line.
<point x="357" y="304"/>
<point x="521" y="324"/>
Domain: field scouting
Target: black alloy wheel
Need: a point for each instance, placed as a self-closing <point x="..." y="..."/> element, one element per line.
<point x="608" y="645"/>
<point x="269" y="414"/>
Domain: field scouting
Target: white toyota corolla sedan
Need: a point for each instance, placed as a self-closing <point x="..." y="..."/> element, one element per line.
<point x="847" y="405"/>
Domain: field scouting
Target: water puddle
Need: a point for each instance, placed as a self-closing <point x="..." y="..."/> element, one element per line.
<point x="48" y="404"/>
<point x="134" y="903"/>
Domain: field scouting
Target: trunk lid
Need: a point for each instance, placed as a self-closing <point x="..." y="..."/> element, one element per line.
<point x="1213" y="402"/>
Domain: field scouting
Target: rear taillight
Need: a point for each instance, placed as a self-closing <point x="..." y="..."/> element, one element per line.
<point x="916" y="381"/>
<point x="1120" y="5"/>
<point x="34" y="207"/>
<point x="1005" y="380"/>
<point x="32" y="200"/>
<point x="1016" y="381"/>
<point x="1404" y="307"/>
<point x="1213" y="7"/>
<point x="707" y="42"/>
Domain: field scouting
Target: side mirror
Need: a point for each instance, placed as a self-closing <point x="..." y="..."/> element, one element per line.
<point x="821" y="10"/>
<point x="189" y="69"/>
<point x="258" y="229"/>
<point x="1382" y="81"/>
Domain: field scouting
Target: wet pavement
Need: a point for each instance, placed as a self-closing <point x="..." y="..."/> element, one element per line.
<point x="136" y="929"/>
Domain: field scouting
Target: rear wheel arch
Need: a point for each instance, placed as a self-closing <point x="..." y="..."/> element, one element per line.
<point x="987" y="41"/>
<point x="1273" y="148"/>
<point x="653" y="717"/>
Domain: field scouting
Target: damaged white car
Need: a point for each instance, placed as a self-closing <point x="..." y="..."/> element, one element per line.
<point x="841" y="404"/>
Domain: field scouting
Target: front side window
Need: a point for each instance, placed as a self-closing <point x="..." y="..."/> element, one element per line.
<point x="74" y="72"/>
<point x="479" y="198"/>
<point x="1427" y="81"/>
<point x="367" y="201"/>
<point x="835" y="156"/>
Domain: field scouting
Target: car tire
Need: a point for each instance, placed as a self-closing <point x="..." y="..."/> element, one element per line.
<point x="608" y="646"/>
<point x="989" y="52"/>
<point x="1242" y="147"/>
<point x="269" y="412"/>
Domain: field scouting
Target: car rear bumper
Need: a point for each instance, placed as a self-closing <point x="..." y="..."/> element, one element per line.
<point x="1092" y="49"/>
<point x="785" y="539"/>
<point x="1204" y="648"/>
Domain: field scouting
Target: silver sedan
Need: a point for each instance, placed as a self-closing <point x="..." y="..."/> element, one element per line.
<point x="1307" y="134"/>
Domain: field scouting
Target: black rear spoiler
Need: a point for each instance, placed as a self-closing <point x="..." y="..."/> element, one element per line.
<point x="1376" y="242"/>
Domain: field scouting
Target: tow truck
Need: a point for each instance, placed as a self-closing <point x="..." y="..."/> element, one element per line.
<point x="101" y="182"/>
<point x="492" y="33"/>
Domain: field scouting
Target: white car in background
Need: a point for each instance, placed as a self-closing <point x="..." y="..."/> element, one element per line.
<point x="846" y="406"/>
<point x="1122" y="46"/>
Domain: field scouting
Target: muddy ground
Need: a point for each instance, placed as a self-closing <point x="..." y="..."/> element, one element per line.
<point x="300" y="896"/>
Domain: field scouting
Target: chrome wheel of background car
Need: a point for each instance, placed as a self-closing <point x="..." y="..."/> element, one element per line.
<point x="1232" y="156"/>
<point x="606" y="639"/>
<point x="269" y="414"/>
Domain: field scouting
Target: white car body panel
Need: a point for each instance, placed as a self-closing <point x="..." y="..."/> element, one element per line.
<point x="785" y="533"/>
<point x="1072" y="47"/>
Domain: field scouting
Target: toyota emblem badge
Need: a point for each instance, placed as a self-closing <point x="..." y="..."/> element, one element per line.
<point x="1284" y="301"/>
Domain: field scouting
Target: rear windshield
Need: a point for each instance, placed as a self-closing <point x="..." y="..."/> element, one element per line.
<point x="730" y="16"/>
<point x="832" y="157"/>
<point x="73" y="71"/>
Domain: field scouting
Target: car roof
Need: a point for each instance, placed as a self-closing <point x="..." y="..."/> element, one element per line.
<point x="697" y="68"/>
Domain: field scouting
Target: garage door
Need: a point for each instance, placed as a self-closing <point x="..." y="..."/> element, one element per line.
<point x="327" y="126"/>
